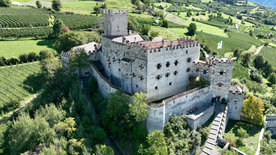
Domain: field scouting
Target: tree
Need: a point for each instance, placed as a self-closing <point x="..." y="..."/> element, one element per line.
<point x="145" y="29"/>
<point x="97" y="10"/>
<point x="259" y="61"/>
<point x="155" y="144"/>
<point x="115" y="118"/>
<point x="242" y="133"/>
<point x="246" y="59"/>
<point x="51" y="113"/>
<point x="50" y="65"/>
<point x="56" y="5"/>
<point x="66" y="41"/>
<point x="252" y="110"/>
<point x="139" y="107"/>
<point x="189" y="13"/>
<point x="237" y="53"/>
<point x="165" y="23"/>
<point x="272" y="78"/>
<point x="153" y="34"/>
<point x="58" y="25"/>
<point x="104" y="150"/>
<point x="38" y="4"/>
<point x="52" y="150"/>
<point x="26" y="133"/>
<point x="5" y="3"/>
<point x="66" y="127"/>
<point x="192" y="29"/>
<point x="267" y="69"/>
<point x="79" y="60"/>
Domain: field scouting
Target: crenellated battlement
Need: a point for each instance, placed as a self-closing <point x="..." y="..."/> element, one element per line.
<point x="235" y="89"/>
<point x="111" y="12"/>
<point x="65" y="54"/>
<point x="223" y="60"/>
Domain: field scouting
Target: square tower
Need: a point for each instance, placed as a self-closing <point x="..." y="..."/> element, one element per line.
<point x="221" y="77"/>
<point x="115" y="23"/>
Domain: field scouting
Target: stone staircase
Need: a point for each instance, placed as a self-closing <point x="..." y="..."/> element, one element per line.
<point x="217" y="130"/>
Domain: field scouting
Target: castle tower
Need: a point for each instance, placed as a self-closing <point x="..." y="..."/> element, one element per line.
<point x="221" y="75"/>
<point x="115" y="23"/>
<point x="235" y="101"/>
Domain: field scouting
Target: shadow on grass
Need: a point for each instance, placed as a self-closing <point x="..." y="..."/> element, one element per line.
<point x="233" y="125"/>
<point x="46" y="42"/>
<point x="34" y="82"/>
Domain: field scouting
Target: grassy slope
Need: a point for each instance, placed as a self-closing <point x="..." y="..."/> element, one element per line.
<point x="270" y="55"/>
<point x="18" y="47"/>
<point x="251" y="142"/>
<point x="229" y="44"/>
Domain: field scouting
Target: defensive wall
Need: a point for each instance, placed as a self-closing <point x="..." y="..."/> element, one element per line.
<point x="104" y="85"/>
<point x="201" y="118"/>
<point x="179" y="104"/>
<point x="271" y="124"/>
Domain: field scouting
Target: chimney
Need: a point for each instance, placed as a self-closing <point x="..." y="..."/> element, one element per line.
<point x="163" y="42"/>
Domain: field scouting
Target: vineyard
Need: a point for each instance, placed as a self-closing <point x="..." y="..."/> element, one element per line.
<point x="75" y="21"/>
<point x="23" y="17"/>
<point x="17" y="83"/>
<point x="18" y="22"/>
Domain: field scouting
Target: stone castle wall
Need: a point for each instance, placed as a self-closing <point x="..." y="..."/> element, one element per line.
<point x="160" y="113"/>
<point x="235" y="102"/>
<point x="221" y="77"/>
<point x="115" y="23"/>
<point x="125" y="65"/>
<point x="271" y="124"/>
<point x="202" y="118"/>
<point x="104" y="85"/>
<point x="173" y="76"/>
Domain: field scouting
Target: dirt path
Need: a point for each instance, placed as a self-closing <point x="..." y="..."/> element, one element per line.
<point x="21" y="107"/>
<point x="19" y="64"/>
<point x="258" y="50"/>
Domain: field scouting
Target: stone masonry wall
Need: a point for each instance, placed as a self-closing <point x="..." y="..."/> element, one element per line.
<point x="159" y="114"/>
<point x="202" y="118"/>
<point x="235" y="101"/>
<point x="124" y="65"/>
<point x="221" y="77"/>
<point x="115" y="23"/>
<point x="173" y="76"/>
<point x="104" y="85"/>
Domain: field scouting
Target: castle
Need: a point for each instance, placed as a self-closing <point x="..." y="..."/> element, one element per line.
<point x="161" y="70"/>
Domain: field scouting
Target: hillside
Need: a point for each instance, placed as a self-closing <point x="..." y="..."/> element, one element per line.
<point x="267" y="3"/>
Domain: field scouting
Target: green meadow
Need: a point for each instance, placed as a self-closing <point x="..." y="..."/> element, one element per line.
<point x="15" y="48"/>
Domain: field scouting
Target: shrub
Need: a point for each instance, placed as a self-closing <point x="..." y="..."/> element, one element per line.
<point x="223" y="101"/>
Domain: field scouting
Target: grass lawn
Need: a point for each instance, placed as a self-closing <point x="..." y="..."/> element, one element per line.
<point x="179" y="31"/>
<point x="17" y="83"/>
<point x="15" y="48"/>
<point x="164" y="33"/>
<point x="270" y="55"/>
<point x="200" y="26"/>
<point x="229" y="44"/>
<point x="250" y="143"/>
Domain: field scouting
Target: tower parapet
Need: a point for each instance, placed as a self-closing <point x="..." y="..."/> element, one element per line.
<point x="115" y="22"/>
